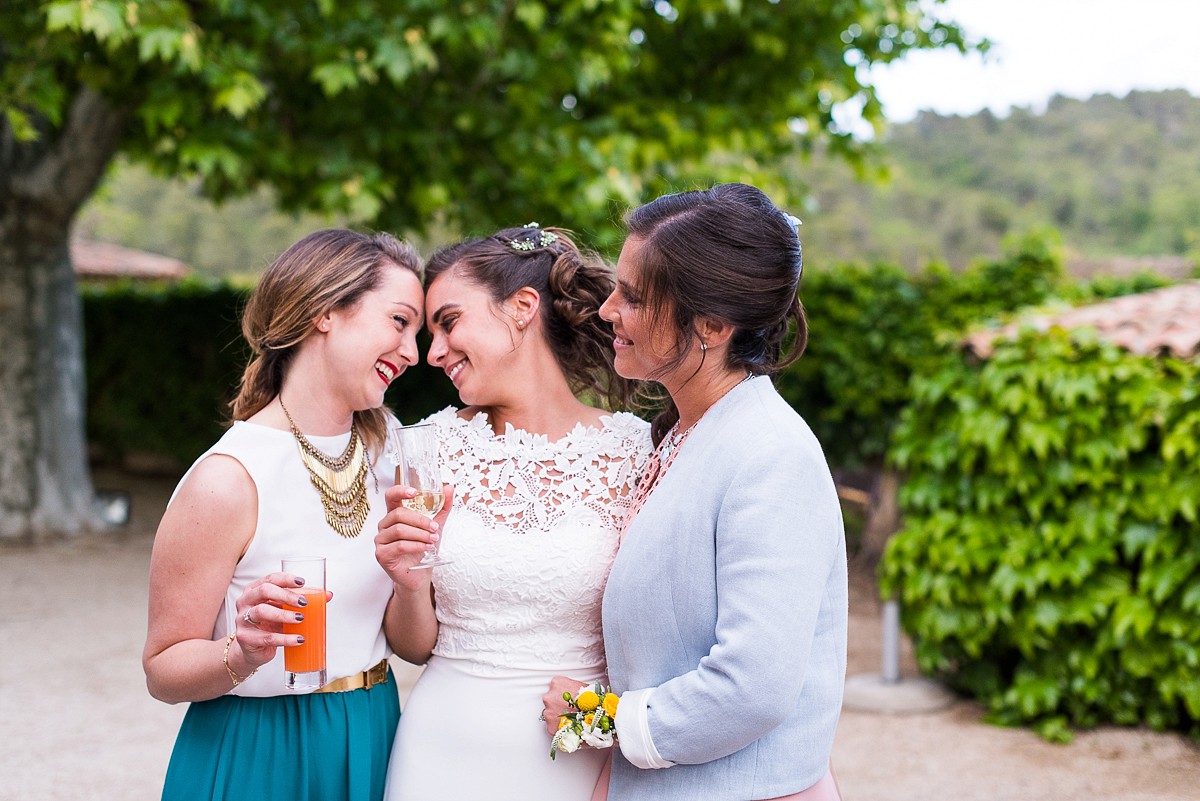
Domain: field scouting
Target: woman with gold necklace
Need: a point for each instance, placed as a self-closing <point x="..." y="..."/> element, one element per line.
<point x="331" y="324"/>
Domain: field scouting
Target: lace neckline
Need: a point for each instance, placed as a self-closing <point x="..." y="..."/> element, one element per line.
<point x="581" y="435"/>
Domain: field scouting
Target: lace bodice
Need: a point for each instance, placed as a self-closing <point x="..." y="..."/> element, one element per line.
<point x="531" y="536"/>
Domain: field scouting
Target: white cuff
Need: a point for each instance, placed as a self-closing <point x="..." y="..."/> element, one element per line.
<point x="633" y="730"/>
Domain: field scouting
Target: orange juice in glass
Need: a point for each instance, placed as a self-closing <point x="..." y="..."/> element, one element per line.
<point x="304" y="664"/>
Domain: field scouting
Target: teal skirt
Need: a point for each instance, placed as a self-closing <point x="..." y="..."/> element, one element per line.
<point x="316" y="747"/>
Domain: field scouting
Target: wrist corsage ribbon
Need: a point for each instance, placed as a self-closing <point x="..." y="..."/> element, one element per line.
<point x="591" y="720"/>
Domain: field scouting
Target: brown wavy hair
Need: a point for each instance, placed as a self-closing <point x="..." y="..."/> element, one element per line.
<point x="326" y="271"/>
<point x="727" y="253"/>
<point x="572" y="284"/>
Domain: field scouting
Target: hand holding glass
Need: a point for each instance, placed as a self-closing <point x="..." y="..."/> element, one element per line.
<point x="304" y="664"/>
<point x="414" y="451"/>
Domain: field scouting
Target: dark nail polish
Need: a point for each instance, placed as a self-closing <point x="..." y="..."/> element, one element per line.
<point x="301" y="600"/>
<point x="299" y="581"/>
<point x="299" y="616"/>
<point x="300" y="640"/>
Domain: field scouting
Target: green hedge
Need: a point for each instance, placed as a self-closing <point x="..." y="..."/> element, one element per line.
<point x="163" y="361"/>
<point x="871" y="329"/>
<point x="1050" y="559"/>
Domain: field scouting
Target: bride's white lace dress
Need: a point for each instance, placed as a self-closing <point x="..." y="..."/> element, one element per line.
<point x="532" y="536"/>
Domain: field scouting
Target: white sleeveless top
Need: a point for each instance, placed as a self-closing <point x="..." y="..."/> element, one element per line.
<point x="291" y="522"/>
<point x="532" y="535"/>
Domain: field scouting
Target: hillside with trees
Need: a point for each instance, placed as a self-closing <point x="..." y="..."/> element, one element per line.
<point x="1115" y="176"/>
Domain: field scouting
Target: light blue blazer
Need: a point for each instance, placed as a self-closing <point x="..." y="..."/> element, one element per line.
<point x="728" y="596"/>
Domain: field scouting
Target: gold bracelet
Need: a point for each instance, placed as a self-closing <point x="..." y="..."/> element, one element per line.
<point x="235" y="678"/>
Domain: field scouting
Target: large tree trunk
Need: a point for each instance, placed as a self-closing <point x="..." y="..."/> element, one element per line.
<point x="45" y="487"/>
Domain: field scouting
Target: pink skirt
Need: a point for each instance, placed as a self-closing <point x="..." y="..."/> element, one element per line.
<point x="826" y="789"/>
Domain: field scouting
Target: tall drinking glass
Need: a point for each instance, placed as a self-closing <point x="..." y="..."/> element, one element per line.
<point x="414" y="452"/>
<point x="304" y="664"/>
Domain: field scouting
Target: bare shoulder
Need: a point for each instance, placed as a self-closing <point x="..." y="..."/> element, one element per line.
<point x="218" y="500"/>
<point x="218" y="480"/>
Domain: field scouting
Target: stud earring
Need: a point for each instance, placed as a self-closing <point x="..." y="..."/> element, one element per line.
<point x="703" y="347"/>
<point x="520" y="323"/>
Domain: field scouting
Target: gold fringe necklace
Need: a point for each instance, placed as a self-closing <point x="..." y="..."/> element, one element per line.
<point x="341" y="482"/>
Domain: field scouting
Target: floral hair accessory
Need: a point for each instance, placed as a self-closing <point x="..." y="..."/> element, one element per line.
<point x="543" y="239"/>
<point x="591" y="721"/>
<point x="793" y="221"/>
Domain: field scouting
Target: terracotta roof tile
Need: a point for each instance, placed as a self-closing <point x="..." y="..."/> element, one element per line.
<point x="94" y="259"/>
<point x="1149" y="323"/>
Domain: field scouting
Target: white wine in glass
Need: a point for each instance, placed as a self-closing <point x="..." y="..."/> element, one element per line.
<point x="414" y="451"/>
<point x="424" y="502"/>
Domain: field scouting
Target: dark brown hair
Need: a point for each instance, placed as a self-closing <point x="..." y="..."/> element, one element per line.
<point x="729" y="254"/>
<point x="572" y="285"/>
<point x="325" y="271"/>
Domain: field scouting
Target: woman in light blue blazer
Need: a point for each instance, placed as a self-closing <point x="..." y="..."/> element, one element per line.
<point x="725" y="612"/>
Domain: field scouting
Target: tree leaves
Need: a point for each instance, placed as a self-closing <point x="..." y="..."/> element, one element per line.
<point x="525" y="110"/>
<point x="241" y="94"/>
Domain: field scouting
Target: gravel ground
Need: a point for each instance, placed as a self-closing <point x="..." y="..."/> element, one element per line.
<point x="81" y="726"/>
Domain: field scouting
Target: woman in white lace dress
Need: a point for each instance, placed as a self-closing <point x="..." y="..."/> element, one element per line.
<point x="541" y="482"/>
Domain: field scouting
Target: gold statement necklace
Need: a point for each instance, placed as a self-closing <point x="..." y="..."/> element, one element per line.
<point x="341" y="483"/>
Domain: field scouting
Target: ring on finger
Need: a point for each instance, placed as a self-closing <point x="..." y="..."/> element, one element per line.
<point x="246" y="617"/>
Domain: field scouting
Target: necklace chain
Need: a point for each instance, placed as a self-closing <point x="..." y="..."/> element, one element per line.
<point x="340" y="482"/>
<point x="661" y="460"/>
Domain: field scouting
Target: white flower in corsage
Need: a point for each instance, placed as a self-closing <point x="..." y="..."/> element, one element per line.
<point x="590" y="720"/>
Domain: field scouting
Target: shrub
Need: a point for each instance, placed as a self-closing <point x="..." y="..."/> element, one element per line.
<point x="161" y="363"/>
<point x="1050" y="559"/>
<point x="871" y="329"/>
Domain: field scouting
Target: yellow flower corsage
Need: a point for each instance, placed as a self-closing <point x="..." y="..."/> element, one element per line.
<point x="590" y="721"/>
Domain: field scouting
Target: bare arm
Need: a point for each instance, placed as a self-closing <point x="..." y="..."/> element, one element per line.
<point x="201" y="537"/>
<point x="409" y="622"/>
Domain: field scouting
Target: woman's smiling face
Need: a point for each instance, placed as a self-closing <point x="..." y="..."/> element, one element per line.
<point x="472" y="338"/>
<point x="643" y="345"/>
<point x="372" y="342"/>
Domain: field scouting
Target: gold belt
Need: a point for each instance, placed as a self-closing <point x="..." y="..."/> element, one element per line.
<point x="365" y="680"/>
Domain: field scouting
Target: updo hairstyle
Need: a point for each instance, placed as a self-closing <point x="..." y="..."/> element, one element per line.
<point x="729" y="254"/>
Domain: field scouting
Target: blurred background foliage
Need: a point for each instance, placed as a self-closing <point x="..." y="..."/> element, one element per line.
<point x="1117" y="177"/>
<point x="403" y="115"/>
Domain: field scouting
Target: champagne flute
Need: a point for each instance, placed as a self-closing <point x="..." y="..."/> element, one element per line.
<point x="414" y="452"/>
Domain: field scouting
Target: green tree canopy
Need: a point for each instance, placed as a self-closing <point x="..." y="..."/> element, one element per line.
<point x="398" y="112"/>
<point x="395" y="113"/>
